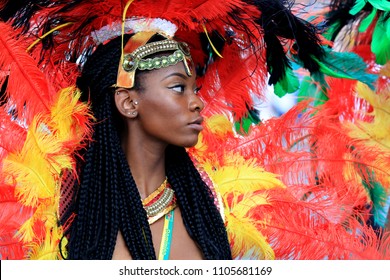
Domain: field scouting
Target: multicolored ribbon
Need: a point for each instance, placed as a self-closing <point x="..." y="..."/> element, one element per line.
<point x="165" y="247"/>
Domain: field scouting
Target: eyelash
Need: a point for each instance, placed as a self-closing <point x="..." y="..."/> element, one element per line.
<point x="178" y="86"/>
<point x="182" y="88"/>
<point x="196" y="91"/>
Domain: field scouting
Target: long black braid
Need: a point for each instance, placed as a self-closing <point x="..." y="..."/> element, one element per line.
<point x="107" y="197"/>
<point x="200" y="215"/>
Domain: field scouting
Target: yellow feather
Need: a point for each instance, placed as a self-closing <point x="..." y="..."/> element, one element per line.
<point x="349" y="171"/>
<point x="245" y="238"/>
<point x="45" y="212"/>
<point x="376" y="132"/>
<point x="237" y="181"/>
<point x="241" y="176"/>
<point x="201" y="146"/>
<point x="33" y="180"/>
<point x="61" y="121"/>
<point x="36" y="169"/>
<point x="220" y="125"/>
<point x="49" y="248"/>
<point x="242" y="231"/>
<point x="37" y="166"/>
<point x="26" y="233"/>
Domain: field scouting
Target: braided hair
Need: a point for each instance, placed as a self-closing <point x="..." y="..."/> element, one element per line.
<point x="107" y="198"/>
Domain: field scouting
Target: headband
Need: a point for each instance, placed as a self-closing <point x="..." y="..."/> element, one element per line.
<point x="138" y="47"/>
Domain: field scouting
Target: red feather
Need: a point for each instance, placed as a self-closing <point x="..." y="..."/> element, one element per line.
<point x="303" y="230"/>
<point x="240" y="76"/>
<point x="12" y="135"/>
<point x="92" y="15"/>
<point x="296" y="146"/>
<point x="26" y="82"/>
<point x="12" y="216"/>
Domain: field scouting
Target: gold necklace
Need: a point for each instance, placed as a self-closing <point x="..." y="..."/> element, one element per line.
<point x="159" y="202"/>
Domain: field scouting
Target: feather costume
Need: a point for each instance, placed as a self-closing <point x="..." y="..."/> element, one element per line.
<point x="285" y="192"/>
<point x="359" y="28"/>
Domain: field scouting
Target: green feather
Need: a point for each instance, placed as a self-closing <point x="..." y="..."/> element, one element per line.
<point x="366" y="22"/>
<point x="383" y="5"/>
<point x="289" y="84"/>
<point x="380" y="44"/>
<point x="346" y="65"/>
<point x="331" y="30"/>
<point x="313" y="88"/>
<point x="378" y="197"/>
<point x="388" y="28"/>
<point x="245" y="123"/>
<point x="359" y="5"/>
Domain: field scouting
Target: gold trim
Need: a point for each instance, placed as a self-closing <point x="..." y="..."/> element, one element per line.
<point x="153" y="219"/>
<point x="151" y="196"/>
<point x="138" y="48"/>
<point x="162" y="205"/>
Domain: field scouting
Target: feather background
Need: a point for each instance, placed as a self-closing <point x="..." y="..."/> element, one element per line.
<point x="25" y="81"/>
<point x="31" y="179"/>
<point x="298" y="174"/>
<point x="302" y="186"/>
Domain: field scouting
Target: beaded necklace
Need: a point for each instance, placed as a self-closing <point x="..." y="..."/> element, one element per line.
<point x="160" y="202"/>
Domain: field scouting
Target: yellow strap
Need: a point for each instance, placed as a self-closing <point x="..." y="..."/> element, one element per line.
<point x="123" y="24"/>
<point x="47" y="33"/>
<point x="211" y="43"/>
<point x="166" y="240"/>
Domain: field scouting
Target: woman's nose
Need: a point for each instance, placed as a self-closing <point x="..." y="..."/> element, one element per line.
<point x="196" y="104"/>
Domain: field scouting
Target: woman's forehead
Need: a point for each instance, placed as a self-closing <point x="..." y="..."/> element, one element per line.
<point x="165" y="72"/>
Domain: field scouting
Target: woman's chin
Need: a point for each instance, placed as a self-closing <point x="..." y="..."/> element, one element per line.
<point x="190" y="143"/>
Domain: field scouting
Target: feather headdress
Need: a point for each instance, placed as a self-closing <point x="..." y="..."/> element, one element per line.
<point x="238" y="47"/>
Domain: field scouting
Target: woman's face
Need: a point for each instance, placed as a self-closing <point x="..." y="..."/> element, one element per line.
<point x="169" y="108"/>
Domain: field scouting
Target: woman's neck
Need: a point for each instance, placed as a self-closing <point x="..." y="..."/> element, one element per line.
<point x="147" y="164"/>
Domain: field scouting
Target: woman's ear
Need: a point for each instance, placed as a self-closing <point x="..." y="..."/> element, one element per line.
<point x="125" y="101"/>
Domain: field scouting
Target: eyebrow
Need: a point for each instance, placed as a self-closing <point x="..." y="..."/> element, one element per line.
<point x="176" y="74"/>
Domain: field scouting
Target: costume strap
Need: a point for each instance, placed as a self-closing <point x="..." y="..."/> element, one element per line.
<point x="166" y="241"/>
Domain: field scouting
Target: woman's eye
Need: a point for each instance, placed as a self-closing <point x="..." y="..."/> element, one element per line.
<point x="196" y="91"/>
<point x="178" y="88"/>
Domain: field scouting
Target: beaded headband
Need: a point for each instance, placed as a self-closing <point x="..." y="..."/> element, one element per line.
<point x="137" y="48"/>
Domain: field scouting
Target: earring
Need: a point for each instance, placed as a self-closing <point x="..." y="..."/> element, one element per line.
<point x="135" y="102"/>
<point x="134" y="113"/>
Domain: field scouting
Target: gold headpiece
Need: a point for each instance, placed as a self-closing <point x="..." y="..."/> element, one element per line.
<point x="137" y="48"/>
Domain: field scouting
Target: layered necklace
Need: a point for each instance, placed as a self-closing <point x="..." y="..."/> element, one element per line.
<point x="160" y="202"/>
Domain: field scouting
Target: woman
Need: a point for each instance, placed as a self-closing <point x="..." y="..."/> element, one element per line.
<point x="284" y="192"/>
<point x="140" y="134"/>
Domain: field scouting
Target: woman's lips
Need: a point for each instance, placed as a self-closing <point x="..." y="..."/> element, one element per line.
<point x="197" y="124"/>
